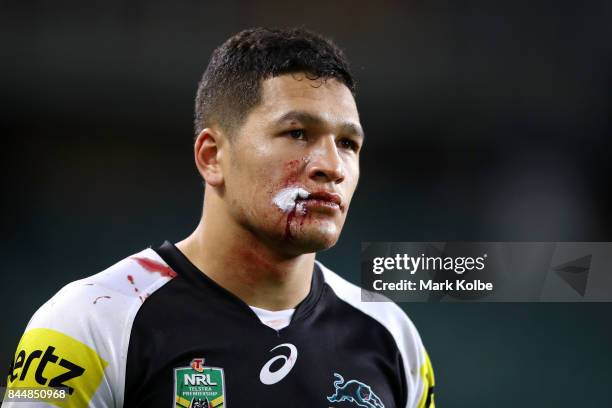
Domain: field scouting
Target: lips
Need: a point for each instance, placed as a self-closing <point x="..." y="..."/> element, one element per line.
<point x="325" y="197"/>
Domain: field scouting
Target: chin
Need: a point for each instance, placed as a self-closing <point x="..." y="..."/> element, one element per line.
<point x="302" y="236"/>
<point x="314" y="241"/>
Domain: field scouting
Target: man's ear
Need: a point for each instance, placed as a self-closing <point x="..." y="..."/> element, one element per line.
<point x="208" y="151"/>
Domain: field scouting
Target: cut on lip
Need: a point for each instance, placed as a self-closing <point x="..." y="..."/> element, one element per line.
<point x="325" y="196"/>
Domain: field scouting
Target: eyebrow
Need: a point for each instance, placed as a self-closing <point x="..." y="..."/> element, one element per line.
<point x="311" y="119"/>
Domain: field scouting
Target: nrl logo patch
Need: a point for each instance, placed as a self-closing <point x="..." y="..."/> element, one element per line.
<point x="198" y="386"/>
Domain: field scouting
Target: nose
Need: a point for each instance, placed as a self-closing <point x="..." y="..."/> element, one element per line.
<point x="325" y="164"/>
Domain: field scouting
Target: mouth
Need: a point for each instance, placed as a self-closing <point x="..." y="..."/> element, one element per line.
<point x="297" y="201"/>
<point x="322" y="199"/>
<point x="289" y="198"/>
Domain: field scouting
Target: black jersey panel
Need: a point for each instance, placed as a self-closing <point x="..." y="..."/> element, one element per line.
<point x="193" y="343"/>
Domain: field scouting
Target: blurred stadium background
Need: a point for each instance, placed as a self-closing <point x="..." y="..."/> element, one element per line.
<point x="485" y="121"/>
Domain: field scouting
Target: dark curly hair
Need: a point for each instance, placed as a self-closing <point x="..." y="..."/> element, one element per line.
<point x="231" y="84"/>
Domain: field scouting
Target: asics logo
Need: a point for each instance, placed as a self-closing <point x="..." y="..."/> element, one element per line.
<point x="268" y="377"/>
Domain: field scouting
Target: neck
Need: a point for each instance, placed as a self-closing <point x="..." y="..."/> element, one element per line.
<point x="238" y="261"/>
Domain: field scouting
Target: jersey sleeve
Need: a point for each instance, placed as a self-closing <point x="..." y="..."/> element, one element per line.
<point x="78" y="340"/>
<point x="426" y="376"/>
<point x="71" y="344"/>
<point x="417" y="364"/>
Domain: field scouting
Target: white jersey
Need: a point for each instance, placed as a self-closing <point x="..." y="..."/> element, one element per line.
<point x="154" y="331"/>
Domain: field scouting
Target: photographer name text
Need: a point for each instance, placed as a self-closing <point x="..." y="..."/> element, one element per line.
<point x="433" y="285"/>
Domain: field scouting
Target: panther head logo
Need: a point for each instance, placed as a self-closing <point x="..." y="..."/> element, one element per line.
<point x="355" y="391"/>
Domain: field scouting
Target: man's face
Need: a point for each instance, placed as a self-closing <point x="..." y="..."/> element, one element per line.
<point x="292" y="167"/>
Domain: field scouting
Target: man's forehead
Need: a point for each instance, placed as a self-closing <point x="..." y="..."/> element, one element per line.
<point x="327" y="98"/>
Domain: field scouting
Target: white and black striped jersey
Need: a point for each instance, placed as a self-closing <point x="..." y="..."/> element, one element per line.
<point x="154" y="331"/>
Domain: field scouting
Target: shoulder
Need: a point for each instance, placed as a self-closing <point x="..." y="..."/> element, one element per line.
<point x="394" y="319"/>
<point x="86" y="326"/>
<point x="99" y="302"/>
<point x="377" y="307"/>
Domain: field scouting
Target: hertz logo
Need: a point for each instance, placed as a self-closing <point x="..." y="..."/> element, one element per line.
<point x="49" y="358"/>
<point x="23" y="363"/>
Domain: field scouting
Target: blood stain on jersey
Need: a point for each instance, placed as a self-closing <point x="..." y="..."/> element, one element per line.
<point x="142" y="298"/>
<point x="100" y="297"/>
<point x="199" y="386"/>
<point x="154" y="266"/>
<point x="130" y="278"/>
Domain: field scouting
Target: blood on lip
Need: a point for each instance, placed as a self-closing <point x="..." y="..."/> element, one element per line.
<point x="297" y="209"/>
<point x="320" y="203"/>
<point x="319" y="199"/>
<point x="322" y="200"/>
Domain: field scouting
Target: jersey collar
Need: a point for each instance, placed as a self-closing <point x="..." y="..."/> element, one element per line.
<point x="184" y="268"/>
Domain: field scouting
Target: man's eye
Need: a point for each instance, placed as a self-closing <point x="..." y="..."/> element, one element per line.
<point x="297" y="134"/>
<point x="349" y="144"/>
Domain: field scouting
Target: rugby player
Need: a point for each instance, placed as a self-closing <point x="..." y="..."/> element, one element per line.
<point x="239" y="313"/>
